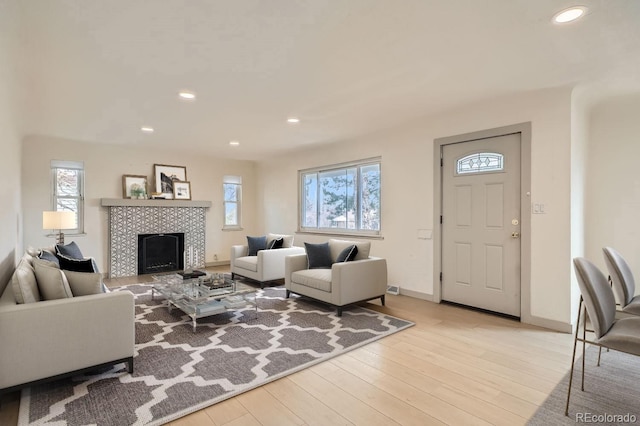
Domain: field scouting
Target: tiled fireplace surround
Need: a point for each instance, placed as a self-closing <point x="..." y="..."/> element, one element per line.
<point x="128" y="218"/>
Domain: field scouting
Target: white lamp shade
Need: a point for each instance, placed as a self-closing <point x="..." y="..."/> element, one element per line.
<point x="58" y="220"/>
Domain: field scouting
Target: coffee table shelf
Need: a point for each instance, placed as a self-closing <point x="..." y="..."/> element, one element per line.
<point x="198" y="300"/>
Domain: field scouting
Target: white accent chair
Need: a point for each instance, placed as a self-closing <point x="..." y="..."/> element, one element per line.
<point x="346" y="283"/>
<point x="267" y="265"/>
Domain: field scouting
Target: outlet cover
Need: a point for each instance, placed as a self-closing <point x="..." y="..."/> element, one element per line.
<point x="393" y="289"/>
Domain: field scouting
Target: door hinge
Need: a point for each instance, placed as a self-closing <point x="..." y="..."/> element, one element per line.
<point x="441" y="162"/>
<point x="440" y="219"/>
<point x="440" y="276"/>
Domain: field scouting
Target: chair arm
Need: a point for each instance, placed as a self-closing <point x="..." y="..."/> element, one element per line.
<point x="43" y="339"/>
<point x="358" y="280"/>
<point x="271" y="262"/>
<point x="238" y="251"/>
<point x="293" y="263"/>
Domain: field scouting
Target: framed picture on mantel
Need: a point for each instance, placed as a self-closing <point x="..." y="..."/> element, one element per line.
<point x="134" y="186"/>
<point x="166" y="175"/>
<point x="181" y="190"/>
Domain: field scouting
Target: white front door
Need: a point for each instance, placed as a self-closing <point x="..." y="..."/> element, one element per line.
<point x="481" y="223"/>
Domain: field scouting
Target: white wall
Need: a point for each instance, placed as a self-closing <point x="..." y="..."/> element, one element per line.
<point x="10" y="223"/>
<point x="408" y="193"/>
<point x="104" y="167"/>
<point x="613" y="178"/>
<point x="579" y="158"/>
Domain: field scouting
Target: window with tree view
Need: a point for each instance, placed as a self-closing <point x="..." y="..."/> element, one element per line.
<point x="68" y="190"/>
<point x="232" y="187"/>
<point x="341" y="199"/>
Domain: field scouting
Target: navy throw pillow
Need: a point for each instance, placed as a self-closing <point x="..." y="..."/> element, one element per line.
<point x="276" y="243"/>
<point x="255" y="244"/>
<point x="318" y="255"/>
<point x="71" y="250"/>
<point x="348" y="254"/>
<point x="48" y="256"/>
<point x="78" y="265"/>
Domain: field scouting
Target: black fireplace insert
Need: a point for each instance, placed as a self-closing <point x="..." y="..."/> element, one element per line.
<point x="160" y="252"/>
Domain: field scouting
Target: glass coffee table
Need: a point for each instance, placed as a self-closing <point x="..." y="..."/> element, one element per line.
<point x="203" y="296"/>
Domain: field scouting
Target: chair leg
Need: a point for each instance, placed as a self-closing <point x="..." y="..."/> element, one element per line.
<point x="288" y="293"/>
<point x="382" y="299"/>
<point x="233" y="276"/>
<point x="599" y="353"/>
<point x="339" y="313"/>
<point x="584" y="343"/>
<point x="573" y="358"/>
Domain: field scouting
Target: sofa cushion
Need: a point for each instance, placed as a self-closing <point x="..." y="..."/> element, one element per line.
<point x="24" y="284"/>
<point x="319" y="279"/>
<point x="348" y="254"/>
<point x="47" y="255"/>
<point x="276" y="243"/>
<point x="318" y="255"/>
<point x="255" y="244"/>
<point x="52" y="283"/>
<point x="78" y="265"/>
<point x="337" y="246"/>
<point x="32" y="251"/>
<point x="287" y="240"/>
<point x="250" y="263"/>
<point x="70" y="250"/>
<point x="84" y="283"/>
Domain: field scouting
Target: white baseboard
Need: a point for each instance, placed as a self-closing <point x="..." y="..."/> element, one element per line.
<point x="217" y="263"/>
<point x="548" y="323"/>
<point x="416" y="294"/>
<point x="532" y="320"/>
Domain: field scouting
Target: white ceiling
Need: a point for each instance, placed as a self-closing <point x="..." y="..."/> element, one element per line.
<point x="99" y="70"/>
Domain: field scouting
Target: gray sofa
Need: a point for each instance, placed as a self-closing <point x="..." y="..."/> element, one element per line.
<point x="266" y="265"/>
<point x="345" y="283"/>
<point x="49" y="339"/>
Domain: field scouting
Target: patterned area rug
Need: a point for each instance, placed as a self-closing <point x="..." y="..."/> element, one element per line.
<point x="177" y="371"/>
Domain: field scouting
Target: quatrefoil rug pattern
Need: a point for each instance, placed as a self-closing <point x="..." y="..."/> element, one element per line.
<point x="177" y="371"/>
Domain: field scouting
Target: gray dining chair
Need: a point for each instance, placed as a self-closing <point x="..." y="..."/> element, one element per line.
<point x="623" y="283"/>
<point x="599" y="304"/>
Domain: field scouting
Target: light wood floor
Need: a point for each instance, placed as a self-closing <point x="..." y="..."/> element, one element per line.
<point x="455" y="366"/>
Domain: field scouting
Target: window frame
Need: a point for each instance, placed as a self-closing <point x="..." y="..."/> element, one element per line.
<point x="499" y="168"/>
<point x="343" y="168"/>
<point x="69" y="165"/>
<point x="237" y="181"/>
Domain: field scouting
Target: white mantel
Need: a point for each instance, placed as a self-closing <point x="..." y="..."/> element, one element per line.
<point x="131" y="202"/>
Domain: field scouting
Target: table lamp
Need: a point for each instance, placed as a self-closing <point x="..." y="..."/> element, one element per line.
<point x="59" y="221"/>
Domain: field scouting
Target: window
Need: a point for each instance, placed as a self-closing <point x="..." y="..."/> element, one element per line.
<point x="481" y="162"/>
<point x="232" y="186"/>
<point x="68" y="190"/>
<point x="342" y="199"/>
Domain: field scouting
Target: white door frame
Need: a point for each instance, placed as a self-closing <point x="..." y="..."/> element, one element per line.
<point x="525" y="208"/>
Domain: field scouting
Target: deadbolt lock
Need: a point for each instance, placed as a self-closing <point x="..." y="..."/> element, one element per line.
<point x="515" y="235"/>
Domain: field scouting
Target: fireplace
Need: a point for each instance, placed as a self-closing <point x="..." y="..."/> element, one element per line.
<point x="160" y="252"/>
<point x="129" y="218"/>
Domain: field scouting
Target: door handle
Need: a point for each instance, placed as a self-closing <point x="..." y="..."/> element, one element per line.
<point x="515" y="235"/>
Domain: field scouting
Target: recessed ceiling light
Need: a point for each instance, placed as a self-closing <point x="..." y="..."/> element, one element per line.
<point x="147" y="129"/>
<point x="569" y="15"/>
<point x="234" y="143"/>
<point x="187" y="95"/>
<point x="293" y="120"/>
